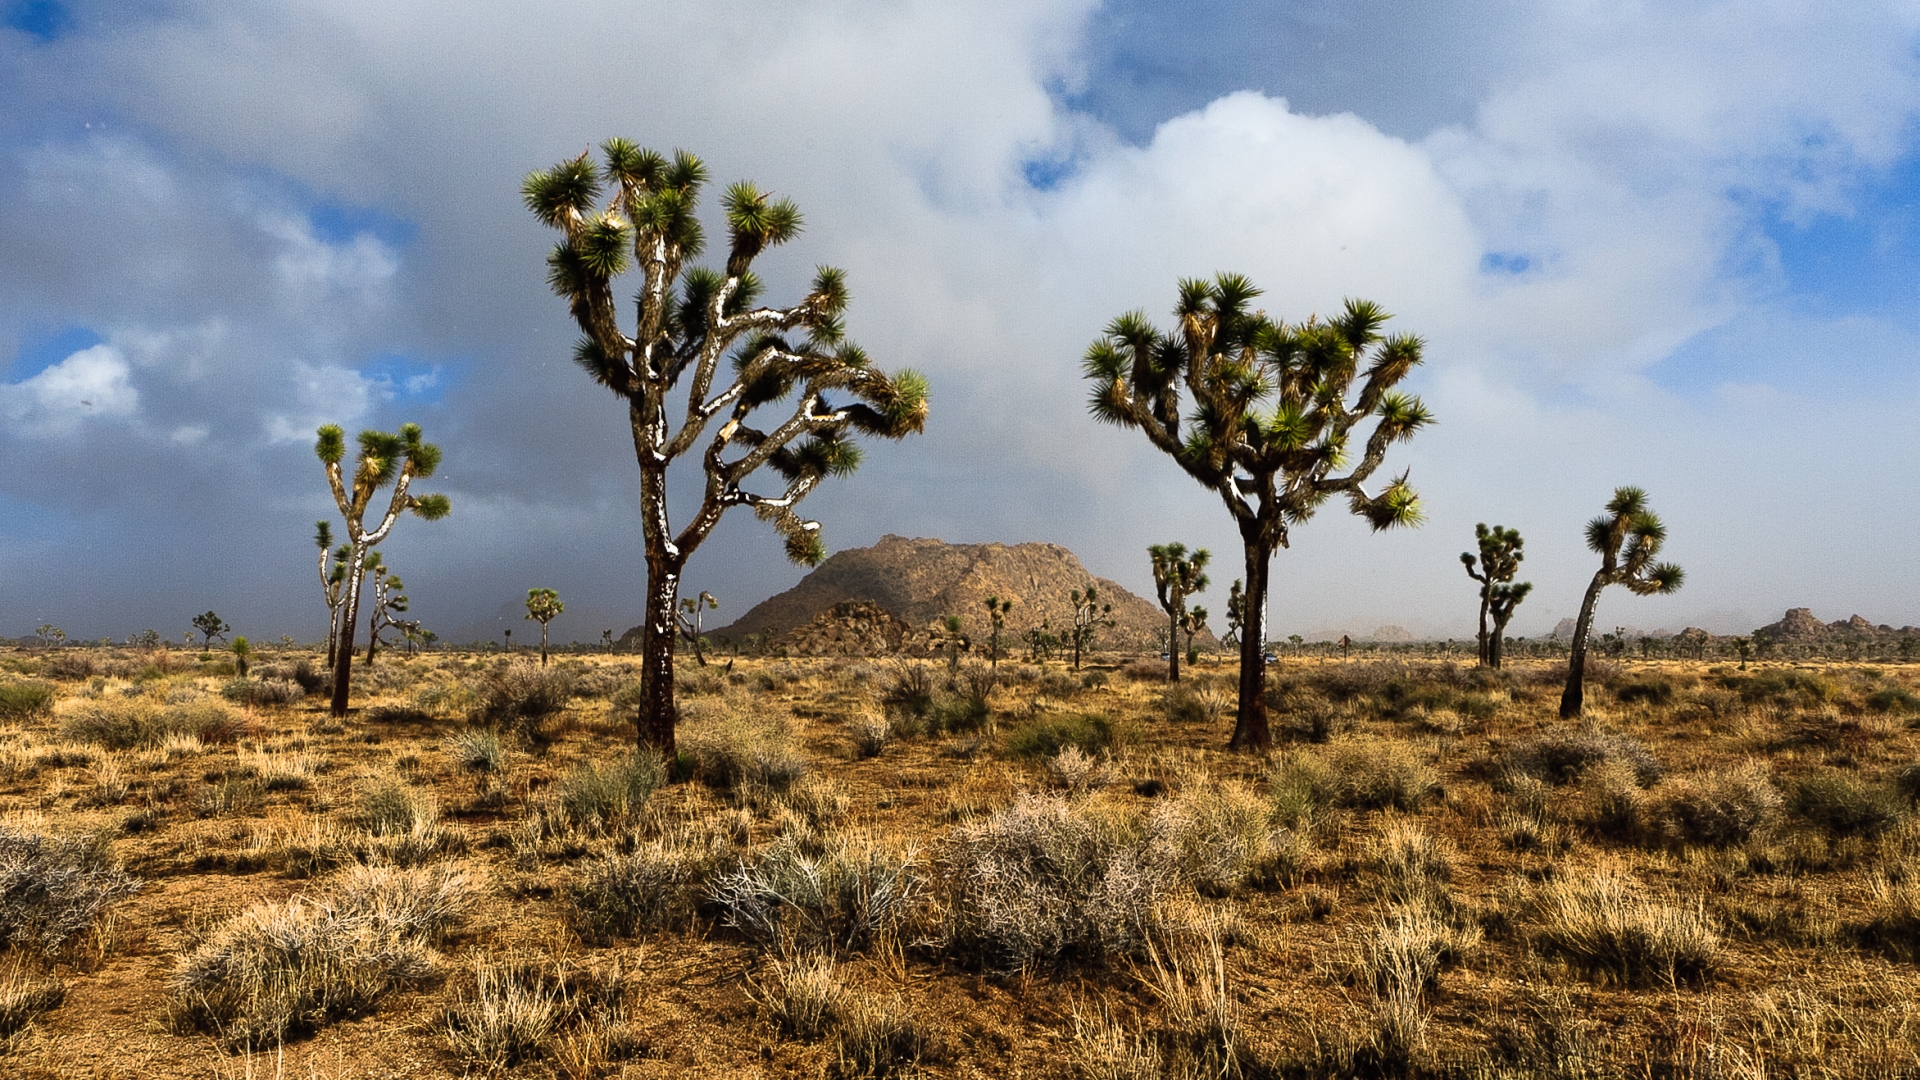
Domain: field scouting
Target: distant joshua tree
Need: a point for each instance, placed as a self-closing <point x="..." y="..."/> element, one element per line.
<point x="1176" y="576"/>
<point x="1236" y="613"/>
<point x="211" y="626"/>
<point x="1499" y="559"/>
<point x="1269" y="420"/>
<point x="1626" y="537"/>
<point x="399" y="459"/>
<point x="692" y="612"/>
<point x="543" y="606"/>
<point x="606" y="641"/>
<point x="242" y="653"/>
<point x="688" y="321"/>
<point x="49" y="635"/>
<point x="997" y="610"/>
<point x="1089" y="616"/>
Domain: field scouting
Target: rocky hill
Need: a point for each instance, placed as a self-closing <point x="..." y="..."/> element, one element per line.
<point x="916" y="581"/>
<point x="1799" y="626"/>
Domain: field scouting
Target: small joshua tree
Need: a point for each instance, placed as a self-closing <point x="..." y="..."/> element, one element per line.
<point x="333" y="577"/>
<point x="1626" y="537"/>
<point x="1194" y="621"/>
<point x="49" y="635"/>
<point x="1269" y="422"/>
<point x="687" y="320"/>
<point x="543" y="606"/>
<point x="1176" y="576"/>
<point x="946" y="633"/>
<point x="606" y="641"/>
<point x="211" y="626"/>
<point x="242" y="653"/>
<point x="692" y="613"/>
<point x="399" y="459"/>
<point x="1499" y="559"/>
<point x="1236" y="613"/>
<point x="997" y="610"/>
<point x="388" y="602"/>
<point x="1089" y="615"/>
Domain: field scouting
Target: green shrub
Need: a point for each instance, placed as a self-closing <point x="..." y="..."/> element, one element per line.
<point x="593" y="799"/>
<point x="1561" y="757"/>
<point x="523" y="697"/>
<point x="1045" y="736"/>
<point x="141" y="724"/>
<point x="1894" y="699"/>
<point x="1652" y="690"/>
<point x="477" y="749"/>
<point x="1846" y="805"/>
<point x="910" y="692"/>
<point x="854" y="894"/>
<point x="659" y="885"/>
<point x="741" y="751"/>
<point x="1359" y="774"/>
<point x="25" y="700"/>
<point x="1720" y="810"/>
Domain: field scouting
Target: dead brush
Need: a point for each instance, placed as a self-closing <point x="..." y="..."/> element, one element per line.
<point x="1415" y="866"/>
<point x="1599" y="926"/>
<point x="279" y="968"/>
<point x="1047" y="880"/>
<point x="878" y="1037"/>
<point x="521" y="1009"/>
<point x="1218" y="835"/>
<point x="1719" y="810"/>
<point x="659" y="885"/>
<point x="1103" y="1049"/>
<point x="1078" y="773"/>
<point x="856" y="894"/>
<point x="53" y="890"/>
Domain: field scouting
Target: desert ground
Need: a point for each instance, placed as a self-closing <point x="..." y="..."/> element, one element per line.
<point x="870" y="867"/>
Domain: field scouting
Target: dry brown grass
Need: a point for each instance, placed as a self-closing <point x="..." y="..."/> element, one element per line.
<point x="1432" y="874"/>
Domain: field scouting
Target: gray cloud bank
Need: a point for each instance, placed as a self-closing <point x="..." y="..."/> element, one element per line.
<point x="276" y="217"/>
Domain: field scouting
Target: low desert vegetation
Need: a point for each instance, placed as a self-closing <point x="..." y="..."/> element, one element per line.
<point x="1431" y="875"/>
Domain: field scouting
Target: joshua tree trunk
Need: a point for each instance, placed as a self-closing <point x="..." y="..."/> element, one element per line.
<point x="1250" y="731"/>
<point x="1488" y="651"/>
<point x="658" y="715"/>
<point x="1173" y="637"/>
<point x="343" y="645"/>
<point x="1574" y="696"/>
<point x="543" y="643"/>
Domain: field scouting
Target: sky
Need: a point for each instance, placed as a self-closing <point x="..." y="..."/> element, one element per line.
<point x="1672" y="245"/>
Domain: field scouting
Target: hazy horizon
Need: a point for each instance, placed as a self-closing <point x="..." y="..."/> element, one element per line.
<point x="1672" y="248"/>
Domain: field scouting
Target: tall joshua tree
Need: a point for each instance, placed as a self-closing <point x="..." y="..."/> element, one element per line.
<point x="1176" y="576"/>
<point x="333" y="576"/>
<point x="686" y="321"/>
<point x="1626" y="537"/>
<point x="1499" y="559"/>
<point x="543" y="606"/>
<point x="397" y="458"/>
<point x="1265" y="414"/>
<point x="1089" y="615"/>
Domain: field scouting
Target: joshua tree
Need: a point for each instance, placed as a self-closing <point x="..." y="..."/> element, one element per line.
<point x="686" y="321"/>
<point x="387" y="603"/>
<point x="997" y="610"/>
<point x="606" y="641"/>
<point x="946" y="633"/>
<point x="1194" y="621"/>
<point x="691" y="614"/>
<point x="210" y="625"/>
<point x="1626" y="537"/>
<point x="1176" y="576"/>
<point x="242" y="652"/>
<point x="399" y="459"/>
<point x="49" y="635"/>
<point x="145" y="639"/>
<point x="1089" y="615"/>
<point x="1268" y="422"/>
<point x="1042" y="642"/>
<point x="1236" y="613"/>
<point x="543" y="605"/>
<point x="333" y="577"/>
<point x="1499" y="559"/>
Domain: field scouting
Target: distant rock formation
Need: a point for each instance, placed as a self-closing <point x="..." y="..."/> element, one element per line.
<point x="1394" y="634"/>
<point x="849" y="628"/>
<point x="915" y="581"/>
<point x="1798" y="626"/>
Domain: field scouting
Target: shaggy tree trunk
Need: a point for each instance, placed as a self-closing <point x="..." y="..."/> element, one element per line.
<point x="1173" y="636"/>
<point x="1487" y="648"/>
<point x="543" y="643"/>
<point x="343" y="645"/>
<point x="1250" y="731"/>
<point x="1574" y="696"/>
<point x="658" y="715"/>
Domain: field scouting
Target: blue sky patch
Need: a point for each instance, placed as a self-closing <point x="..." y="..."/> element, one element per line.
<point x="40" y="350"/>
<point x="338" y="223"/>
<point x="409" y="380"/>
<point x="1866" y="261"/>
<point x="45" y="20"/>
<point x="1505" y="262"/>
<point x="1046" y="174"/>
